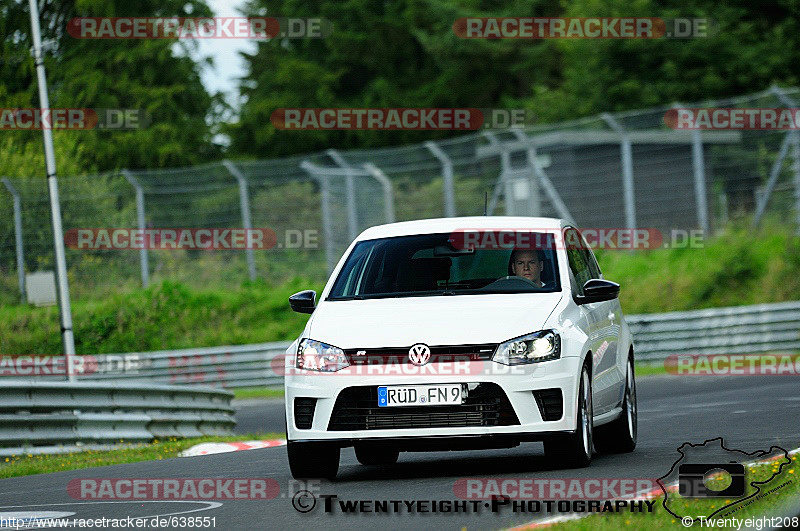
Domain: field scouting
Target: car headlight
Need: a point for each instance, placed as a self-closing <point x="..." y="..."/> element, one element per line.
<point x="318" y="356"/>
<point x="544" y="345"/>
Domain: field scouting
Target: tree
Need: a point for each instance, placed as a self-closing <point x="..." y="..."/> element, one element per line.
<point x="383" y="54"/>
<point x="155" y="75"/>
<point x="749" y="47"/>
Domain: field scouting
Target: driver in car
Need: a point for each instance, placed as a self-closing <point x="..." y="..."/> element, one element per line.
<point x="528" y="264"/>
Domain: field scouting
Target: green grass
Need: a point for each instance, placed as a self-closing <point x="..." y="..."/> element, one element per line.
<point x="26" y="465"/>
<point x="737" y="267"/>
<point x="661" y="519"/>
<point x="257" y="392"/>
<point x="166" y="316"/>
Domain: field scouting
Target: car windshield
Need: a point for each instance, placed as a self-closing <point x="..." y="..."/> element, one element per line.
<point x="440" y="264"/>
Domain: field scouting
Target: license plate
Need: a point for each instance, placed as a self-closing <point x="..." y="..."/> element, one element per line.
<point x="419" y="395"/>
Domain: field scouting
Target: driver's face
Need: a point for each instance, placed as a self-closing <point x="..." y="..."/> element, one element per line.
<point x="526" y="264"/>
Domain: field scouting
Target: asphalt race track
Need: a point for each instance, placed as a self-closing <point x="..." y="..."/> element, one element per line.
<point x="750" y="413"/>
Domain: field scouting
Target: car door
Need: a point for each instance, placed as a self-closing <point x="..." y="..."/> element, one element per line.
<point x="607" y="364"/>
<point x="591" y="312"/>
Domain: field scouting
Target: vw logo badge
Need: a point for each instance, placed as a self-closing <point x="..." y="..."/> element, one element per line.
<point x="419" y="354"/>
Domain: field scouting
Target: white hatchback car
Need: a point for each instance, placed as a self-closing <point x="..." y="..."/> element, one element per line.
<point x="461" y="333"/>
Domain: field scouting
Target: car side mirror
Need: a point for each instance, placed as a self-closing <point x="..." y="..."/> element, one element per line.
<point x="598" y="290"/>
<point x="303" y="301"/>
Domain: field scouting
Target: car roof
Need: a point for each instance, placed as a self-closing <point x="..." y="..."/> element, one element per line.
<point x="444" y="225"/>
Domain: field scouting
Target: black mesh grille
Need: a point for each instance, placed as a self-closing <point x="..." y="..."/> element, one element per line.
<point x="357" y="408"/>
<point x="440" y="353"/>
<point x="304" y="412"/>
<point x="551" y="403"/>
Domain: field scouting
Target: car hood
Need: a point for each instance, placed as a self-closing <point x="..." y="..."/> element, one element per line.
<point x="440" y="320"/>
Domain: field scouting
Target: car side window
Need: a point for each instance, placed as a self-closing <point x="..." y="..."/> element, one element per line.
<point x="577" y="260"/>
<point x="591" y="261"/>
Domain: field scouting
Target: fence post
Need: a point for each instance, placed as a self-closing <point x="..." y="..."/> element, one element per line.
<point x="143" y="261"/>
<point x="627" y="169"/>
<point x="534" y="197"/>
<point x="244" y="203"/>
<point x="699" y="169"/>
<point x="789" y="102"/>
<point x="699" y="166"/>
<point x="388" y="194"/>
<point x="327" y="228"/>
<point x="18" y="238"/>
<point x="796" y="171"/>
<point x="350" y="187"/>
<point x="505" y="164"/>
<point x="761" y="207"/>
<point x="447" y="176"/>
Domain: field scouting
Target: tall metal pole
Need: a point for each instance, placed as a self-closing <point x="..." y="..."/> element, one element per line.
<point x="55" y="207"/>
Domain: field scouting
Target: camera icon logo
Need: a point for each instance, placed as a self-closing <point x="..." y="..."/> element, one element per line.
<point x="694" y="479"/>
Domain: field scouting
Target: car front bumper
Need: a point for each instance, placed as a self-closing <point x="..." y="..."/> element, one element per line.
<point x="517" y="382"/>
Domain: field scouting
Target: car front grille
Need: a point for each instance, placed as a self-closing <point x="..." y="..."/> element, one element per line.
<point x="439" y="354"/>
<point x="357" y="408"/>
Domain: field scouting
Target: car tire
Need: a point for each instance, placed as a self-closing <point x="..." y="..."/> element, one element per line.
<point x="619" y="436"/>
<point x="574" y="450"/>
<point x="311" y="460"/>
<point x="368" y="454"/>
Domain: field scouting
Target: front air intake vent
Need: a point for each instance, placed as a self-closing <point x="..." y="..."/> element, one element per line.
<point x="304" y="412"/>
<point x="551" y="404"/>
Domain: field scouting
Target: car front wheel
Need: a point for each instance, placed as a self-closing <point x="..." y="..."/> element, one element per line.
<point x="619" y="436"/>
<point x="574" y="450"/>
<point x="311" y="460"/>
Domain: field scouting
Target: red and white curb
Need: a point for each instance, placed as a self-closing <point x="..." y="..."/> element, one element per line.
<point x="535" y="524"/>
<point x="224" y="447"/>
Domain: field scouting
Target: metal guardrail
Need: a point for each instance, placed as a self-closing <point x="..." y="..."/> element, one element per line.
<point x="40" y="416"/>
<point x="755" y="329"/>
<point x="228" y="366"/>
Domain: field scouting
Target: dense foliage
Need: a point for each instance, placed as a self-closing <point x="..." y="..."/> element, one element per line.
<point x="402" y="53"/>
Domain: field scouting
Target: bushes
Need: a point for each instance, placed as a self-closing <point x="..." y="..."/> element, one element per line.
<point x="738" y="267"/>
